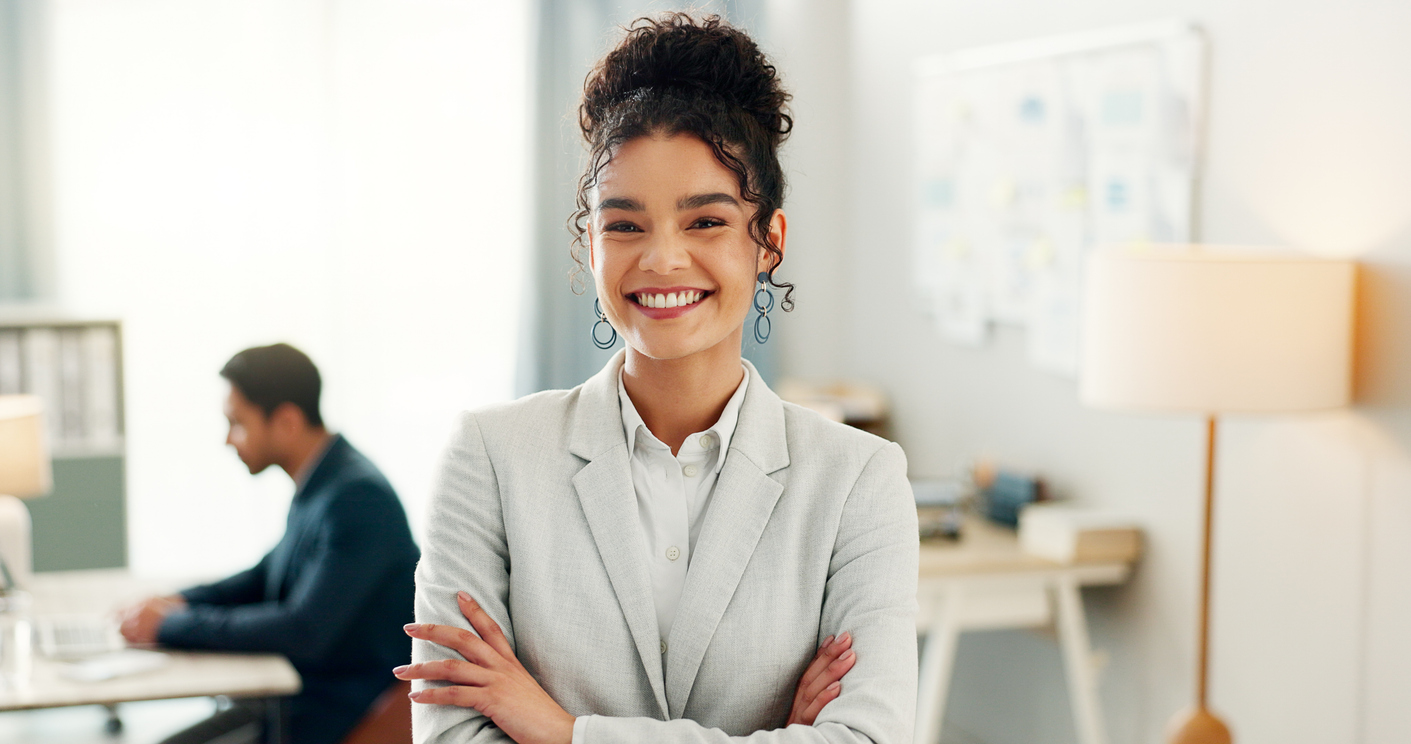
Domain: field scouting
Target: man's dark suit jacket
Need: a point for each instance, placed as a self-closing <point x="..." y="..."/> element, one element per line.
<point x="332" y="596"/>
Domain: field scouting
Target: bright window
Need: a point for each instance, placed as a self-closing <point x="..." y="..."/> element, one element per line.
<point x="350" y="177"/>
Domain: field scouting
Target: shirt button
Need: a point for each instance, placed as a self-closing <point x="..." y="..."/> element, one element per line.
<point x="707" y="441"/>
<point x="690" y="471"/>
<point x="672" y="553"/>
<point x="663" y="646"/>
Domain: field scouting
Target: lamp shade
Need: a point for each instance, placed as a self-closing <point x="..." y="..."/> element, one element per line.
<point x="24" y="455"/>
<point x="1216" y="329"/>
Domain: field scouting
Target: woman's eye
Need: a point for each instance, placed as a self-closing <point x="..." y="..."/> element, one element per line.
<point x="622" y="227"/>
<point x="708" y="222"/>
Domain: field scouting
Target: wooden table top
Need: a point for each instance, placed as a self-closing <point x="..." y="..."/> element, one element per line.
<point x="187" y="674"/>
<point x="985" y="549"/>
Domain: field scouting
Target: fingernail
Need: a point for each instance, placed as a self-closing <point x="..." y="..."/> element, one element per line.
<point x="848" y="656"/>
<point x="409" y="627"/>
<point x="828" y="641"/>
<point x="401" y="669"/>
<point x="845" y="637"/>
<point x="835" y="686"/>
<point x="417" y="694"/>
<point x="464" y="597"/>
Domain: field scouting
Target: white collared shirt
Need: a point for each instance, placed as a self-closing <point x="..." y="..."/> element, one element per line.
<point x="673" y="493"/>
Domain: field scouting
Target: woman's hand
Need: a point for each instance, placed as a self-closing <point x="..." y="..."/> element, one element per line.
<point x="821" y="681"/>
<point x="490" y="679"/>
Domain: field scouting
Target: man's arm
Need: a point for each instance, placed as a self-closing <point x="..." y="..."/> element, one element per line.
<point x="142" y="620"/>
<point x="347" y="568"/>
<point x="245" y="587"/>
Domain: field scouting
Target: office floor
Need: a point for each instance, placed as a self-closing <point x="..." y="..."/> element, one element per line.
<point x="143" y="723"/>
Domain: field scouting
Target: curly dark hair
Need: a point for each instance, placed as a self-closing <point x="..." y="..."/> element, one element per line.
<point x="671" y="75"/>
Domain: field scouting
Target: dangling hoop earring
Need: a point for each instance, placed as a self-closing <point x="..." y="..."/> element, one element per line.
<point x="762" y="324"/>
<point x="602" y="321"/>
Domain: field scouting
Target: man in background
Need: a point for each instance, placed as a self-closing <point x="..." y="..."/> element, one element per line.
<point x="333" y="595"/>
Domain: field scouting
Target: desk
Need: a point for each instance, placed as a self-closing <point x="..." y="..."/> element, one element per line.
<point x="188" y="674"/>
<point x="985" y="582"/>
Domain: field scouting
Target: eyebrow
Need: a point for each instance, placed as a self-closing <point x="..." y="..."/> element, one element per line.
<point x="701" y="200"/>
<point x="690" y="202"/>
<point x="621" y="202"/>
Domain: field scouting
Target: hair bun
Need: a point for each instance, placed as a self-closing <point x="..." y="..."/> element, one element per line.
<point x="673" y="54"/>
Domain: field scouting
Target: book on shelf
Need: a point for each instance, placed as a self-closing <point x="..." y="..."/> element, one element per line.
<point x="1071" y="534"/>
<point x="74" y="368"/>
<point x="11" y="375"/>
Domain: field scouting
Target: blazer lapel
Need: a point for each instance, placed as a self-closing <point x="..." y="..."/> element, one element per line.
<point x="740" y="507"/>
<point x="330" y="462"/>
<point x="605" y="490"/>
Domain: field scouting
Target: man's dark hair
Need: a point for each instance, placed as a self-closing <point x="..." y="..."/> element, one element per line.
<point x="269" y="376"/>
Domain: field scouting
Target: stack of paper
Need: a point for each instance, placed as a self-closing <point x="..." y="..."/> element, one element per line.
<point x="1070" y="534"/>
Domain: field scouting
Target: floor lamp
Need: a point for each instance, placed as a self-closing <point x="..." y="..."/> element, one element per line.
<point x="24" y="472"/>
<point x="1214" y="330"/>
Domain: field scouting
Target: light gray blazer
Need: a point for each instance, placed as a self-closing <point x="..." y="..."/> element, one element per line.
<point x="811" y="531"/>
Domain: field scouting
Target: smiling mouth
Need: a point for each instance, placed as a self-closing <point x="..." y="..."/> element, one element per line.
<point x="669" y="299"/>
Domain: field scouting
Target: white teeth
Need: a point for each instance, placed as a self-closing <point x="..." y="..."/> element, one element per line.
<point x="672" y="299"/>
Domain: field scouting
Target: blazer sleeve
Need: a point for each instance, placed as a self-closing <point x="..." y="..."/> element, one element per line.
<point x="347" y="570"/>
<point x="870" y="592"/>
<point x="241" y="588"/>
<point x="465" y="550"/>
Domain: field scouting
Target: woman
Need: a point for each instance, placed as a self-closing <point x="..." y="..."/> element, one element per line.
<point x="668" y="552"/>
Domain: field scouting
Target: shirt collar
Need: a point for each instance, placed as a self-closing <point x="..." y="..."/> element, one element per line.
<point x="301" y="478"/>
<point x="723" y="429"/>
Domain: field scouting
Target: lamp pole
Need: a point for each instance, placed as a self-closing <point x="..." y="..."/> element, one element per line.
<point x="1198" y="725"/>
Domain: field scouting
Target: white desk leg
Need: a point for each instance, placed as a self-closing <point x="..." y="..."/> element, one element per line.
<point x="1077" y="662"/>
<point x="937" y="660"/>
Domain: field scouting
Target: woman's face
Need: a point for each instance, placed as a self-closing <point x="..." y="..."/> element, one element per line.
<point x="670" y="247"/>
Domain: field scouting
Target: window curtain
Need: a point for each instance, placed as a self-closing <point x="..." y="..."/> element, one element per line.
<point x="557" y="351"/>
<point x="25" y="273"/>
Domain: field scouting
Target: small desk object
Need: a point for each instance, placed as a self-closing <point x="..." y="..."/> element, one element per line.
<point x="187" y="673"/>
<point x="985" y="582"/>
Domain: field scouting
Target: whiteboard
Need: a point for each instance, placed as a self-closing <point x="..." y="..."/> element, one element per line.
<point x="1030" y="154"/>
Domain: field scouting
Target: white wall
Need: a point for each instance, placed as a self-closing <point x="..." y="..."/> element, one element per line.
<point x="349" y="177"/>
<point x="1307" y="148"/>
<point x="808" y="42"/>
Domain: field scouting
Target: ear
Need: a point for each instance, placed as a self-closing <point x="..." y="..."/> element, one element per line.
<point x="592" y="255"/>
<point x="288" y="418"/>
<point x="778" y="231"/>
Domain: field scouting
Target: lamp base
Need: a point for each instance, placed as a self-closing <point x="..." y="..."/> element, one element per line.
<point x="15" y="551"/>
<point x="1197" y="726"/>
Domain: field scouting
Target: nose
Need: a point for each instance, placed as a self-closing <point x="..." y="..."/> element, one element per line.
<point x="665" y="252"/>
